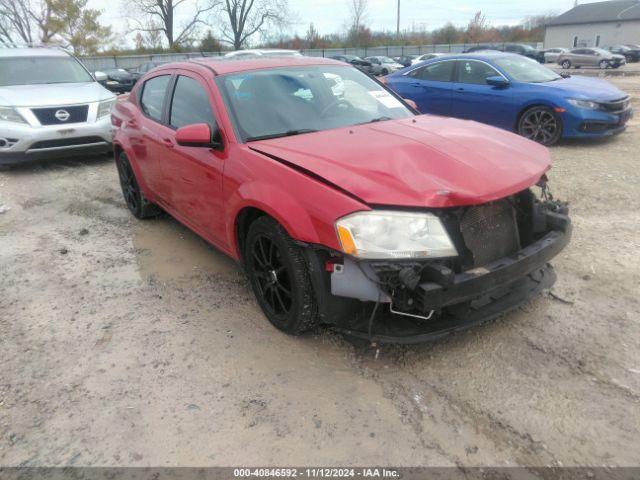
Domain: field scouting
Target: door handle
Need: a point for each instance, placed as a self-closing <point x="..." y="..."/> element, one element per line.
<point x="415" y="84"/>
<point x="168" y="142"/>
<point x="460" y="89"/>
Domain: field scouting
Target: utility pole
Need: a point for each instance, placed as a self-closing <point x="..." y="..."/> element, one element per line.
<point x="398" y="22"/>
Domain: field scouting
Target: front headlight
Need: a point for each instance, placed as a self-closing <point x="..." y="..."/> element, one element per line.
<point x="584" y="104"/>
<point x="382" y="234"/>
<point x="105" y="107"/>
<point x="8" y="114"/>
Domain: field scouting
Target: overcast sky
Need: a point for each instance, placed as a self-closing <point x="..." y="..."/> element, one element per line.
<point x="329" y="16"/>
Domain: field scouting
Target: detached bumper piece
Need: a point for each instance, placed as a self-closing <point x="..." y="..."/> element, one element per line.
<point x="504" y="251"/>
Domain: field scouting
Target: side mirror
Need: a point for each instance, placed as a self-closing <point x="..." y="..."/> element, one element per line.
<point x="497" y="81"/>
<point x="100" y="76"/>
<point x="198" y="135"/>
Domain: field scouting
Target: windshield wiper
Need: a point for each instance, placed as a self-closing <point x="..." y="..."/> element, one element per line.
<point x="288" y="133"/>
<point x="377" y="119"/>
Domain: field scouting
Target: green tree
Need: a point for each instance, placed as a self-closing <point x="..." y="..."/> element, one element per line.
<point x="79" y="26"/>
<point x="209" y="43"/>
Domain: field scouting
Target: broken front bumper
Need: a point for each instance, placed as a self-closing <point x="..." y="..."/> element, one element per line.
<point x="481" y="281"/>
<point x="442" y="301"/>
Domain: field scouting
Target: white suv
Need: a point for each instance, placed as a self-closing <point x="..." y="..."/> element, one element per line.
<point x="50" y="106"/>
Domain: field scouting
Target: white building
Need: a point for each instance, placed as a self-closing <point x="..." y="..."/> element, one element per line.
<point x="599" y="24"/>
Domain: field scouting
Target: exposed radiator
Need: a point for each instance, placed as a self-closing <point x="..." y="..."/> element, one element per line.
<point x="490" y="231"/>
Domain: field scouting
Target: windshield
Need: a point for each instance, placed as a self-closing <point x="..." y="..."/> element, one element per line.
<point x="41" y="70"/>
<point x="290" y="101"/>
<point x="523" y="69"/>
<point x="601" y="51"/>
<point x="386" y="60"/>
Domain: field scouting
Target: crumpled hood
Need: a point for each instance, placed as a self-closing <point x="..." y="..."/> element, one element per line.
<point x="53" y="95"/>
<point x="423" y="161"/>
<point x="586" y="88"/>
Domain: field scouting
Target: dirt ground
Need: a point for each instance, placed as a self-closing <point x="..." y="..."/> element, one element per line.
<point x="134" y="343"/>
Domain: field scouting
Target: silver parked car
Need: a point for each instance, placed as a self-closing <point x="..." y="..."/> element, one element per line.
<point x="551" y="54"/>
<point x="50" y="106"/>
<point x="590" y="57"/>
<point x="427" y="56"/>
<point x="381" y="65"/>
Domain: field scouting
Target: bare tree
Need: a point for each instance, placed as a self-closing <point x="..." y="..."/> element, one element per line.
<point x="159" y="16"/>
<point x="16" y="22"/>
<point x="241" y="19"/>
<point x="312" y="37"/>
<point x="358" y="10"/>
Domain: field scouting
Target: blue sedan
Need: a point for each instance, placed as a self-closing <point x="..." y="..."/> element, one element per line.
<point x="515" y="93"/>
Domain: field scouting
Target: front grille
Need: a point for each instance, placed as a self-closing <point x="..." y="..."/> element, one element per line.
<point x="490" y="231"/>
<point x="66" y="142"/>
<point x="47" y="115"/>
<point x="616" y="106"/>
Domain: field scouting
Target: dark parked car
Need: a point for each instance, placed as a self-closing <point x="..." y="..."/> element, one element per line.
<point x="356" y="61"/>
<point x="347" y="210"/>
<point x="117" y="80"/>
<point x="519" y="48"/>
<point x="524" y="49"/>
<point x="405" y="60"/>
<point x="480" y="48"/>
<point x="629" y="53"/>
<point x="144" y="68"/>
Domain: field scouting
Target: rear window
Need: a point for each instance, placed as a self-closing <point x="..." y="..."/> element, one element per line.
<point x="153" y="93"/>
<point x="435" y="72"/>
<point x="41" y="71"/>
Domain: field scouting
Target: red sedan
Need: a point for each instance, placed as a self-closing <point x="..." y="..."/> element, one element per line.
<point x="343" y="204"/>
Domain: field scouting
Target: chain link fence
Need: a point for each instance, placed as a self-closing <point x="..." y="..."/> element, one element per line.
<point x="133" y="61"/>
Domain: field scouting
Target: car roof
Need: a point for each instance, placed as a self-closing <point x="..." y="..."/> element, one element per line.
<point x="222" y="65"/>
<point x="484" y="55"/>
<point x="32" y="52"/>
<point x="260" y="51"/>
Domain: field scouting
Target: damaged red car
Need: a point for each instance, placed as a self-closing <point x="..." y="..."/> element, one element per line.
<point x="343" y="204"/>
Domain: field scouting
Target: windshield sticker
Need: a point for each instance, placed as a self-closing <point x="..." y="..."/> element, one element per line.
<point x="386" y="99"/>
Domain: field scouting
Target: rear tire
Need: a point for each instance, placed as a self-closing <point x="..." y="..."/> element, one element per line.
<point x="540" y="124"/>
<point x="138" y="205"/>
<point x="566" y="64"/>
<point x="280" y="277"/>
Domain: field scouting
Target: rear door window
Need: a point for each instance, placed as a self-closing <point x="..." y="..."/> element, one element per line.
<point x="190" y="104"/>
<point x="153" y="94"/>
<point x="435" y="72"/>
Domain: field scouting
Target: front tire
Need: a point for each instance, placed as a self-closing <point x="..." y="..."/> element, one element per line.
<point x="540" y="124"/>
<point x="280" y="277"/>
<point x="604" y="65"/>
<point x="566" y="64"/>
<point x="133" y="196"/>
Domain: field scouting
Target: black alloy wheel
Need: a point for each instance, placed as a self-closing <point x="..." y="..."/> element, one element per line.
<point x="279" y="277"/>
<point x="541" y="125"/>
<point x="272" y="276"/>
<point x="133" y="196"/>
<point x="566" y="64"/>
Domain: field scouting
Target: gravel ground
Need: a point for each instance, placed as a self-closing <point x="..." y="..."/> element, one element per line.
<point x="127" y="343"/>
